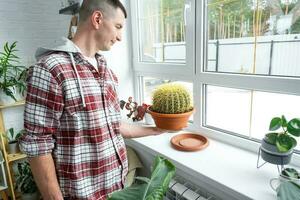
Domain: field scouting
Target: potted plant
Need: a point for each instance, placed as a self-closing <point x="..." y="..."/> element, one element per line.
<point x="287" y="185"/>
<point x="25" y="182"/>
<point x="12" y="76"/>
<point x="154" y="187"/>
<point x="12" y="139"/>
<point x="277" y="147"/>
<point x="171" y="106"/>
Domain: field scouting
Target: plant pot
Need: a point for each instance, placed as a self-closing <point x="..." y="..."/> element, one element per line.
<point x="173" y="122"/>
<point x="13" y="147"/>
<point x="270" y="153"/>
<point x="4" y="99"/>
<point x="30" y="196"/>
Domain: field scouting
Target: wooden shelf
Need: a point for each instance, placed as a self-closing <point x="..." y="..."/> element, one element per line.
<point x="14" y="157"/>
<point x="19" y="103"/>
<point x="70" y="10"/>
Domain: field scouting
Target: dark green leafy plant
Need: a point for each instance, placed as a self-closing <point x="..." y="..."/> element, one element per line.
<point x="154" y="188"/>
<point x="12" y="76"/>
<point x="284" y="139"/>
<point x="24" y="181"/>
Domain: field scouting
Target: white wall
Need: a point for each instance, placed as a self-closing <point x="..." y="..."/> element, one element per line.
<point x="37" y="23"/>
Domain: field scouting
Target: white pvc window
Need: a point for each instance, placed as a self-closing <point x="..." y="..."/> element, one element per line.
<point x="243" y="82"/>
<point x="163" y="35"/>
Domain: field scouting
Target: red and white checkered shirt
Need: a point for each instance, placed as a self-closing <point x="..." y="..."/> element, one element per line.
<point x="85" y="141"/>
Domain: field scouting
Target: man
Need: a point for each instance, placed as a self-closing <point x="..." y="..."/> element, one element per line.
<point x="72" y="116"/>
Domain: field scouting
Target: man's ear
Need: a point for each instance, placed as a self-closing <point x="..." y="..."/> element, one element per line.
<point x="97" y="19"/>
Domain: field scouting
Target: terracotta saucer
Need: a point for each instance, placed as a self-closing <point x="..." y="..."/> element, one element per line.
<point x="189" y="142"/>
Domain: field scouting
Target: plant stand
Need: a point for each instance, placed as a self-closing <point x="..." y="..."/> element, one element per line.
<point x="9" y="158"/>
<point x="258" y="165"/>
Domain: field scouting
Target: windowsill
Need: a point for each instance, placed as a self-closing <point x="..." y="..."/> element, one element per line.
<point x="229" y="169"/>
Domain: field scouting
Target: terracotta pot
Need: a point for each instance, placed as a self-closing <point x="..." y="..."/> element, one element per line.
<point x="174" y="122"/>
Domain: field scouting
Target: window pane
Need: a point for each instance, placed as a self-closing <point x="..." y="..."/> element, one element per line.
<point x="162" y="31"/>
<point x="228" y="109"/>
<point x="248" y="113"/>
<point x="262" y="35"/>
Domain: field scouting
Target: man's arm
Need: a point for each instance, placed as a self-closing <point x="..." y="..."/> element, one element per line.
<point x="134" y="131"/>
<point x="43" y="170"/>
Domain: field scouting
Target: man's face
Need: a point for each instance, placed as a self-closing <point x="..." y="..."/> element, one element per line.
<point x="111" y="30"/>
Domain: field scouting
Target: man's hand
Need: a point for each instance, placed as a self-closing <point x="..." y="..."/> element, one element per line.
<point x="135" y="131"/>
<point x="156" y="131"/>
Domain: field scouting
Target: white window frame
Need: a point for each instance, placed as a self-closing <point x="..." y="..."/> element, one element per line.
<point x="187" y="68"/>
<point x="200" y="78"/>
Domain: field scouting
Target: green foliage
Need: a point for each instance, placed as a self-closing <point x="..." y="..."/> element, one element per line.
<point x="11" y="75"/>
<point x="11" y="135"/>
<point x="171" y="98"/>
<point x="284" y="140"/>
<point x="24" y="181"/>
<point x="288" y="190"/>
<point x="149" y="189"/>
<point x="291" y="173"/>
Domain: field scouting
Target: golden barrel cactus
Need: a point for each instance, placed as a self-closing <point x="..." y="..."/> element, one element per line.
<point x="171" y="98"/>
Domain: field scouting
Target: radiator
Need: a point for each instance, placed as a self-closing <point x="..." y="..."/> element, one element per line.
<point x="181" y="189"/>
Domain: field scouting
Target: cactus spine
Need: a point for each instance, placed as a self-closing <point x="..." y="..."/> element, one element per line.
<point x="171" y="98"/>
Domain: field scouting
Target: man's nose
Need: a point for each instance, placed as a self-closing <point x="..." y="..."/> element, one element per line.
<point x="119" y="36"/>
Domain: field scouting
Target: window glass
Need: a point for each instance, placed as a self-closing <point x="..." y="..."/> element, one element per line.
<point x="162" y="31"/>
<point x="262" y="35"/>
<point x="245" y="112"/>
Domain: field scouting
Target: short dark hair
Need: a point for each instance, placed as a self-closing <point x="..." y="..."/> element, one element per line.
<point x="89" y="6"/>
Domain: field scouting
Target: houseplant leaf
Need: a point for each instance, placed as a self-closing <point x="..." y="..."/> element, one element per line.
<point x="293" y="127"/>
<point x="283" y="121"/>
<point x="154" y="188"/>
<point x="284" y="143"/>
<point x="275" y="124"/>
<point x="271" y="138"/>
<point x="288" y="190"/>
<point x="291" y="172"/>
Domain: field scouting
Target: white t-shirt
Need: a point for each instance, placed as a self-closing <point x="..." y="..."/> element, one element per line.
<point x="91" y="60"/>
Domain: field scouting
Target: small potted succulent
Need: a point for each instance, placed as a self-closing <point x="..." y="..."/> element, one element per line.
<point x="171" y="106"/>
<point x="12" y="139"/>
<point x="277" y="147"/>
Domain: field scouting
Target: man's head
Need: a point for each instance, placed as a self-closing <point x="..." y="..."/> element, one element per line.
<point x="107" y="7"/>
<point x="106" y="17"/>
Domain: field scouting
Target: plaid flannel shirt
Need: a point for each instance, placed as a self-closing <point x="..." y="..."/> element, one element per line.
<point x="85" y="142"/>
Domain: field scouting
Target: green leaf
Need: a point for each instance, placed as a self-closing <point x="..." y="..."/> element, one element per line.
<point x="284" y="143"/>
<point x="293" y="127"/>
<point x="155" y="188"/>
<point x="284" y="121"/>
<point x="288" y="191"/>
<point x="291" y="172"/>
<point x="275" y="124"/>
<point x="271" y="138"/>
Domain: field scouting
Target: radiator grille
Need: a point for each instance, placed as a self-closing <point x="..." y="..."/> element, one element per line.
<point x="181" y="189"/>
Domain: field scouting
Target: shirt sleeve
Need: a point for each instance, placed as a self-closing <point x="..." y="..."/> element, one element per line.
<point x="43" y="109"/>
